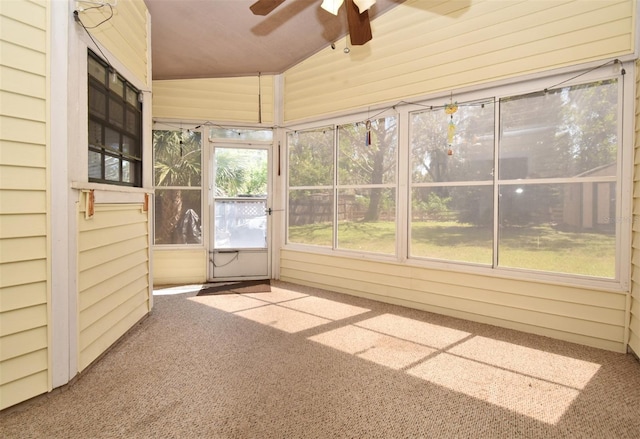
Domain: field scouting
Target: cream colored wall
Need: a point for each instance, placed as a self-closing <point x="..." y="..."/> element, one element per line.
<point x="113" y="275"/>
<point x="580" y="315"/>
<point x="179" y="266"/>
<point x="423" y="47"/>
<point x="634" y="326"/>
<point x="124" y="35"/>
<point x="248" y="99"/>
<point x="24" y="259"/>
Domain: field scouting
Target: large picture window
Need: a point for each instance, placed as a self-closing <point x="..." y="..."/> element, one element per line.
<point x="115" y="127"/>
<point x="557" y="179"/>
<point x="178" y="187"/>
<point x="452" y="184"/>
<point x="552" y="204"/>
<point x="342" y="188"/>
<point x="529" y="183"/>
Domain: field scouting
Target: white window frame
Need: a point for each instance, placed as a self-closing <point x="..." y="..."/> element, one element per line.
<point x="334" y="124"/>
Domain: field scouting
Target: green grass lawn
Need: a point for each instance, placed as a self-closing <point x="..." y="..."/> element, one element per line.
<point x="538" y="248"/>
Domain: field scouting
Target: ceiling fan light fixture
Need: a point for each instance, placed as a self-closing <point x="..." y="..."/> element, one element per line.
<point x="331" y="6"/>
<point x="358" y="23"/>
<point x="364" y="5"/>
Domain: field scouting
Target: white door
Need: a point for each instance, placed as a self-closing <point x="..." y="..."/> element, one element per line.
<point x="240" y="213"/>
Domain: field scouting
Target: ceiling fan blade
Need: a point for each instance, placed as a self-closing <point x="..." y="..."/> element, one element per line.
<point x="359" y="25"/>
<point x="263" y="7"/>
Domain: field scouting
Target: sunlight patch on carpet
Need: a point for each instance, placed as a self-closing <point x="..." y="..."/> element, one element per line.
<point x="373" y="346"/>
<point x="547" y="366"/>
<point x="284" y="319"/>
<point x="328" y="309"/>
<point x="416" y="331"/>
<point x="277" y="295"/>
<point x="538" y="399"/>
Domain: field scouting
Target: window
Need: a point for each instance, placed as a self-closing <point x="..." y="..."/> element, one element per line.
<point x="345" y="200"/>
<point x="311" y="177"/>
<point x="178" y="187"/>
<point x="506" y="182"/>
<point x="115" y="127"/>
<point x="557" y="180"/>
<point x="551" y="205"/>
<point x="265" y="135"/>
<point x="452" y="185"/>
<point x="366" y="186"/>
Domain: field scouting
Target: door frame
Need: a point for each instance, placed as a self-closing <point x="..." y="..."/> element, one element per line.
<point x="212" y="144"/>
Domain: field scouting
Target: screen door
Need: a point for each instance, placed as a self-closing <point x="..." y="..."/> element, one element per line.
<point x="240" y="213"/>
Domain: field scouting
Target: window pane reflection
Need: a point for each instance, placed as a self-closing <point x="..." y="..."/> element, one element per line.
<point x="563" y="228"/>
<point x="111" y="168"/>
<point x="453" y="223"/>
<point x="367" y="220"/>
<point x="567" y="132"/>
<point x="311" y="217"/>
<point x="178" y="216"/>
<point x="95" y="164"/>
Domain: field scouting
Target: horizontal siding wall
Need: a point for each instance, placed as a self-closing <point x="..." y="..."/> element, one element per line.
<point x="584" y="316"/>
<point x="113" y="280"/>
<point x="124" y="35"/>
<point x="216" y="99"/>
<point x="175" y="267"/>
<point x="634" y="327"/>
<point x="24" y="260"/>
<point x="423" y="47"/>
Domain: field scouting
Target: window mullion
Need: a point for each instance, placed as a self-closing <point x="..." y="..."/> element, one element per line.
<point x="403" y="188"/>
<point x="335" y="187"/>
<point x="497" y="138"/>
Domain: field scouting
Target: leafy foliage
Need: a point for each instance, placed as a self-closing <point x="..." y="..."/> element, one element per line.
<point x="240" y="172"/>
<point x="177" y="163"/>
<point x="311" y="158"/>
<point x="177" y="158"/>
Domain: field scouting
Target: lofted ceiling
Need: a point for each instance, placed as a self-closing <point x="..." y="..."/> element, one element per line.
<point x="221" y="38"/>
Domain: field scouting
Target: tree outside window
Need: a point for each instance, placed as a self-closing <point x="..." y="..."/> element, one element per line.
<point x="178" y="187"/>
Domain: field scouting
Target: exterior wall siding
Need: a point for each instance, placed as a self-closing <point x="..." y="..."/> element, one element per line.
<point x="113" y="280"/>
<point x="634" y="324"/>
<point x="575" y="314"/>
<point x="124" y="35"/>
<point x="248" y="99"/>
<point x="180" y="266"/>
<point x="427" y="47"/>
<point x="111" y="249"/>
<point x="24" y="257"/>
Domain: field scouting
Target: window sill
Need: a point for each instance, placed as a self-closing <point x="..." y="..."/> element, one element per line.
<point x="108" y="193"/>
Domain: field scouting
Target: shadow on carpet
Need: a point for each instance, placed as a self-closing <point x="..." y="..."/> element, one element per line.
<point x="249" y="286"/>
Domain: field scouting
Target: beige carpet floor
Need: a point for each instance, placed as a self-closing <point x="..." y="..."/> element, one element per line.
<point x="299" y="362"/>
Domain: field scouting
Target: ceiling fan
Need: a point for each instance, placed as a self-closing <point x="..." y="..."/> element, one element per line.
<point x="357" y="15"/>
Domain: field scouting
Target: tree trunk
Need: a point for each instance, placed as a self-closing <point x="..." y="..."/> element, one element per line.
<point x="170" y="216"/>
